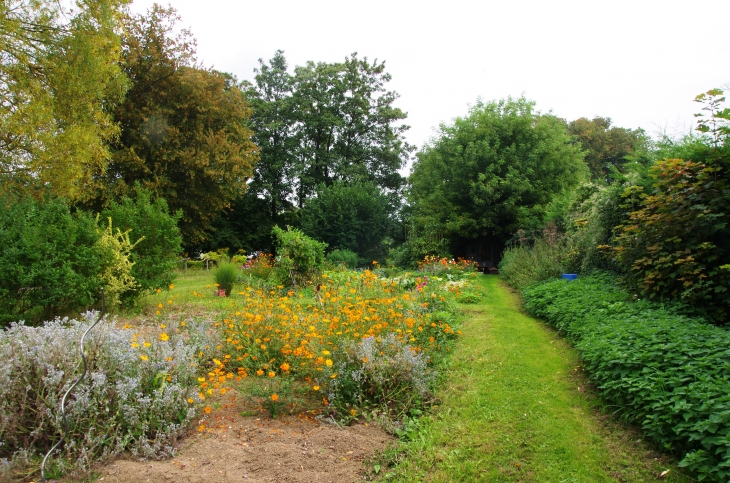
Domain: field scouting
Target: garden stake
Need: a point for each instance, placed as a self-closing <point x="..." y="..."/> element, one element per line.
<point x="68" y="391"/>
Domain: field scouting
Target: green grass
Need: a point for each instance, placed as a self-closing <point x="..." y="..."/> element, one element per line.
<point x="515" y="406"/>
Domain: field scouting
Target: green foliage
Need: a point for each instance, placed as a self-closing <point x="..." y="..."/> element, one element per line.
<point x="351" y="217"/>
<point x="674" y="244"/>
<point x="343" y="257"/>
<point x="59" y="77"/>
<point x="51" y="260"/>
<point x="529" y="261"/>
<point x="494" y="170"/>
<point x="156" y="236"/>
<point x="184" y="129"/>
<point x="117" y="274"/>
<point x="226" y="276"/>
<point x="663" y="371"/>
<point x="608" y="149"/>
<point x="298" y="258"/>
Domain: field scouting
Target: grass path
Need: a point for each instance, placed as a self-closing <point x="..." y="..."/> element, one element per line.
<point x="515" y="407"/>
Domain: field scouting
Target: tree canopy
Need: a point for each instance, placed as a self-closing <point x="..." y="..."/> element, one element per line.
<point x="491" y="172"/>
<point x="59" y="75"/>
<point x="184" y="133"/>
<point x="607" y="149"/>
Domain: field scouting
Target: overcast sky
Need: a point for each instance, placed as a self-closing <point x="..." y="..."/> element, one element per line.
<point x="639" y="62"/>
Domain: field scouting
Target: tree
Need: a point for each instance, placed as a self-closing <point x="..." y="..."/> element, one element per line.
<point x="493" y="171"/>
<point x="59" y="76"/>
<point x="607" y="148"/>
<point x="349" y="216"/>
<point x="184" y="128"/>
<point x="323" y="123"/>
<point x="348" y="125"/>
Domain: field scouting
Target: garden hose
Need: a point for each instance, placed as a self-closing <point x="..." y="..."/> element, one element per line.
<point x="68" y="391"/>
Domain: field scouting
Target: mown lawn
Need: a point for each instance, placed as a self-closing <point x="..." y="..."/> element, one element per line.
<point x="515" y="406"/>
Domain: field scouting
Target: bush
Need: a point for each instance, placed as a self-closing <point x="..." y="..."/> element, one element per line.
<point x="381" y="375"/>
<point x="528" y="262"/>
<point x="664" y="371"/>
<point x="343" y="257"/>
<point x="135" y="396"/>
<point x="155" y="234"/>
<point x="298" y="258"/>
<point x="51" y="261"/>
<point x="226" y="275"/>
<point x="352" y="217"/>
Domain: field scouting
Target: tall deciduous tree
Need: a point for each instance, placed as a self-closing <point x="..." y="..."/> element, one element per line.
<point x="353" y="217"/>
<point x="59" y="74"/>
<point x="321" y="124"/>
<point x="607" y="148"/>
<point x="490" y="172"/>
<point x="184" y="128"/>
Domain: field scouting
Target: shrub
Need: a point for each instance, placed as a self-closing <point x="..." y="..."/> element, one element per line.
<point x="298" y="257"/>
<point x="116" y="275"/>
<point x="135" y="397"/>
<point x="353" y="217"/>
<point x="51" y="260"/>
<point x="155" y="234"/>
<point x="662" y="370"/>
<point x="381" y="375"/>
<point x="675" y="245"/>
<point x="528" y="262"/>
<point x="226" y="275"/>
<point x="343" y="257"/>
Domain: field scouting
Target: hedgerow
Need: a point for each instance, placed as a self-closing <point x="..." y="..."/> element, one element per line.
<point x="665" y="371"/>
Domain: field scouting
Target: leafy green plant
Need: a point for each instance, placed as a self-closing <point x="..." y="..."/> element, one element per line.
<point x="226" y="276"/>
<point x="674" y="245"/>
<point x="51" y="260"/>
<point x="156" y="236"/>
<point x="343" y="257"/>
<point x="529" y="261"/>
<point x="662" y="370"/>
<point x="298" y="257"/>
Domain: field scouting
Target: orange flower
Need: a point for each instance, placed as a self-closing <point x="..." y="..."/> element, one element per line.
<point x="207" y="409"/>
<point x="285" y="367"/>
<point x="274" y="397"/>
<point x="272" y="374"/>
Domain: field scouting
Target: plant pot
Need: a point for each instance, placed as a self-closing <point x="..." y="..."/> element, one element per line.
<point x="221" y="292"/>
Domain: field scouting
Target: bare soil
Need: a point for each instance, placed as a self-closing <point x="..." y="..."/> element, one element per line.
<point x="252" y="449"/>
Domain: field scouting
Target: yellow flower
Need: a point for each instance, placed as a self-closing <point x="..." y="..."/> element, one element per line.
<point x="285" y="367"/>
<point x="169" y="301"/>
<point x="147" y="344"/>
<point x="223" y="390"/>
<point x="159" y="306"/>
<point x="172" y="286"/>
<point x="127" y="326"/>
<point x="190" y="400"/>
<point x="163" y="326"/>
<point x="333" y="375"/>
<point x="316" y="388"/>
<point x="328" y="362"/>
<point x="272" y="374"/>
<point x="164" y="337"/>
<point x="143" y="357"/>
<point x="157" y="312"/>
<point x="274" y="397"/>
<point x="135" y="345"/>
<point x="201" y="379"/>
<point x="159" y="290"/>
<point x="325" y="352"/>
<point x="216" y="362"/>
<point x="259" y="372"/>
<point x="353" y="412"/>
<point x="182" y="323"/>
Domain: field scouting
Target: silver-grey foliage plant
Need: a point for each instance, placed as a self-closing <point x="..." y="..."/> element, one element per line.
<point x="135" y="396"/>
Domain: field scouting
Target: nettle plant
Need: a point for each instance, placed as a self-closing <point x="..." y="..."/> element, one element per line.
<point x="138" y="394"/>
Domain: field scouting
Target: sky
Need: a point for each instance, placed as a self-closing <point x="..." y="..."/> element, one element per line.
<point x="639" y="62"/>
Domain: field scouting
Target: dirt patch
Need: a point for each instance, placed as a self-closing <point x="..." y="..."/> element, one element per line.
<point x="236" y="448"/>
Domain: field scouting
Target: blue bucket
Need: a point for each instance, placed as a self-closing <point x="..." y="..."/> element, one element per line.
<point x="569" y="276"/>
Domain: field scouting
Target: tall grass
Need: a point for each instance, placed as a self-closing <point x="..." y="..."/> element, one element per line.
<point x="529" y="261"/>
